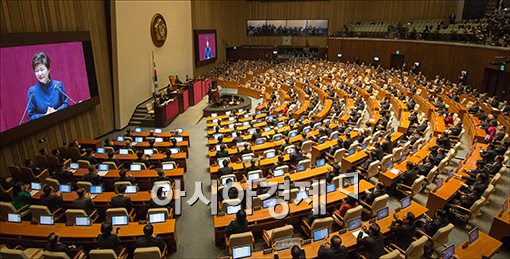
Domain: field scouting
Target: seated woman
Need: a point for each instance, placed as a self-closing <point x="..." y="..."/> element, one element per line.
<point x="21" y="196"/>
<point x="347" y="204"/>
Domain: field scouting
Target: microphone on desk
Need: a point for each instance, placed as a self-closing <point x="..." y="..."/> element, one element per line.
<point x="57" y="87"/>
<point x="26" y="109"/>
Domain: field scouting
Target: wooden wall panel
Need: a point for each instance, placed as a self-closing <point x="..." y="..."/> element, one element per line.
<point x="229" y="17"/>
<point x="59" y="16"/>
<point x="436" y="58"/>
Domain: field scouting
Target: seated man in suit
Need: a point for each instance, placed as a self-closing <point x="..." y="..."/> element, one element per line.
<point x="88" y="156"/>
<point x="373" y="245"/>
<point x="347" y="142"/>
<point x="256" y="135"/>
<point x="168" y="157"/>
<point x="436" y="159"/>
<point x="124" y="176"/>
<point x="162" y="177"/>
<point x="333" y="250"/>
<point x="122" y="201"/>
<point x="150" y="239"/>
<point x="246" y="150"/>
<point x="83" y="201"/>
<point x="140" y="159"/>
<point x="174" y="144"/>
<point x="111" y="158"/>
<point x="296" y="157"/>
<point x="226" y="169"/>
<point x="92" y="176"/>
<point x="387" y="146"/>
<point x="370" y="196"/>
<point x="223" y="152"/>
<point x="53" y="202"/>
<point x="107" y="239"/>
<point x="54" y="245"/>
<point x="403" y="230"/>
<point x="431" y="226"/>
<point x="421" y="129"/>
<point x="443" y="141"/>
<point x="409" y="176"/>
<point x="456" y="129"/>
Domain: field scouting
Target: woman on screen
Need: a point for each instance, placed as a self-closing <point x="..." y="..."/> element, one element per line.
<point x="48" y="95"/>
<point x="207" y="50"/>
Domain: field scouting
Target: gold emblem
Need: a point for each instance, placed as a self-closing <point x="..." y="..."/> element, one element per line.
<point x="158" y="30"/>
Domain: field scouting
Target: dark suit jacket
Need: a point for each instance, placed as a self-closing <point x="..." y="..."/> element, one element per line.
<point x="109" y="242"/>
<point x="221" y="153"/>
<point x="53" y="202"/>
<point x="433" y="226"/>
<point x="226" y="170"/>
<point x="403" y="234"/>
<point x="295" y="158"/>
<point x="371" y="197"/>
<point x="121" y="201"/>
<point x="387" y="147"/>
<point x="408" y="178"/>
<point x="332" y="253"/>
<point x="373" y="246"/>
<point x="85" y="204"/>
<point x="59" y="247"/>
<point x="93" y="178"/>
<point x="150" y="241"/>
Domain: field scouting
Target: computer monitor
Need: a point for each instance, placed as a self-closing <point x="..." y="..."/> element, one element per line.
<point x="119" y="220"/>
<point x="138" y="130"/>
<point x="354" y="223"/>
<point x="383" y="213"/>
<point x="403" y="158"/>
<point x="351" y="151"/>
<point x="46" y="220"/>
<point x="322" y="140"/>
<point x="390" y="165"/>
<point x="246" y="115"/>
<point x="214" y="115"/>
<point x="64" y="188"/>
<point x="300" y="168"/>
<point x="241" y="252"/>
<point x="241" y="144"/>
<point x="157" y="131"/>
<point x="123" y="151"/>
<point x="364" y="145"/>
<point x="148" y="152"/>
<point x="130" y="189"/>
<point x="35" y="186"/>
<point x="301" y="195"/>
<point x="253" y="176"/>
<point x="258" y="112"/>
<point x="138" y="139"/>
<point x="246" y="123"/>
<point x="218" y="147"/>
<point x="251" y="131"/>
<point x="174" y="151"/>
<point x="405" y="202"/>
<point x="228" y="113"/>
<point x="82" y="221"/>
<point x="291" y="150"/>
<point x="220" y="161"/>
<point x="120" y="138"/>
<point x="270" y="154"/>
<point x="278" y="172"/>
<point x="14" y="218"/>
<point x="157" y="218"/>
<point x="260" y="141"/>
<point x="169" y="166"/>
<point x="331" y="188"/>
<point x="231" y="118"/>
<point x="100" y="150"/>
<point x="269" y="202"/>
<point x="215" y="121"/>
<point x="74" y="166"/>
<point x="307" y="130"/>
<point x="320" y="234"/>
<point x="217" y="135"/>
<point x="135" y="167"/>
<point x="102" y="167"/>
<point x="293" y="134"/>
<point x="231" y="126"/>
<point x="225" y="179"/>
<point x="334" y="135"/>
<point x="439" y="183"/>
<point x="277" y="137"/>
<point x="280" y="125"/>
<point x="233" y="209"/>
<point x="320" y="162"/>
<point x="292" y="121"/>
<point x="179" y="139"/>
<point x="158" y="140"/>
<point x="259" y="120"/>
<point x="448" y="252"/>
<point x="96" y="189"/>
<point x="473" y="235"/>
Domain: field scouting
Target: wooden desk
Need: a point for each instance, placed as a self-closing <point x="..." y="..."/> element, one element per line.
<point x="500" y="227"/>
<point x="348" y="162"/>
<point x="180" y="158"/>
<point x="30" y="235"/>
<point x="183" y="145"/>
<point x="485" y="245"/>
<point x="89" y="143"/>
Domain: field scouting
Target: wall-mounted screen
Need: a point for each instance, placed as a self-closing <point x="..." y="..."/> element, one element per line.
<point x="205" y="46"/>
<point x="44" y="79"/>
<point x="287" y="28"/>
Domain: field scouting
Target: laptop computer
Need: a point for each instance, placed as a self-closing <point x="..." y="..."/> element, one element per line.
<point x="96" y="189"/>
<point x="320" y="234"/>
<point x="174" y="151"/>
<point x="351" y="151"/>
<point x="148" y="151"/>
<point x="120" y="138"/>
<point x="82" y="221"/>
<point x="157" y="218"/>
<point x="123" y="151"/>
<point x="270" y="154"/>
<point x="331" y="188"/>
<point x="260" y="141"/>
<point x="35" y="188"/>
<point x="293" y="134"/>
<point x="300" y="168"/>
<point x="158" y="140"/>
<point x="138" y="130"/>
<point x="100" y="150"/>
<point x="241" y="252"/>
<point x="439" y="183"/>
<point x="253" y="176"/>
<point x="157" y="131"/>
<point x="130" y="189"/>
<point x="277" y="137"/>
<point x="354" y="223"/>
<point x="120" y="220"/>
<point x="233" y="209"/>
<point x="167" y="167"/>
<point x="448" y="252"/>
<point x="179" y="139"/>
<point x="390" y="165"/>
<point x="320" y="162"/>
<point x="64" y="188"/>
<point x="383" y="213"/>
<point x="135" y="168"/>
<point x="405" y="202"/>
<point x="473" y="235"/>
<point x="14" y="218"/>
<point x="278" y="172"/>
<point x="138" y="139"/>
<point x="102" y="169"/>
<point x="74" y="167"/>
<point x="46" y="220"/>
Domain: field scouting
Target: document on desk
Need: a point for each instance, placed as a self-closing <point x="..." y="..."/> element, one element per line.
<point x="395" y="171"/>
<point x="356" y="233"/>
<point x="102" y="173"/>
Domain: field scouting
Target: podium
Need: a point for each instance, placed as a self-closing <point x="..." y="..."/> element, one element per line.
<point x="215" y="96"/>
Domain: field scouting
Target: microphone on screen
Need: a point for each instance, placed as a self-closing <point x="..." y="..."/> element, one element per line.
<point x="26" y="109"/>
<point x="57" y="87"/>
